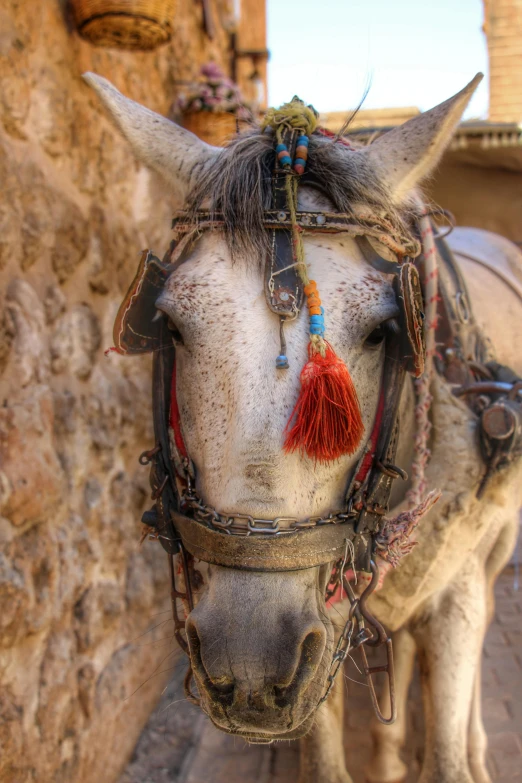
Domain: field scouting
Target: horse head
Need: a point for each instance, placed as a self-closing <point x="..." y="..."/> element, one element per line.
<point x="261" y="641"/>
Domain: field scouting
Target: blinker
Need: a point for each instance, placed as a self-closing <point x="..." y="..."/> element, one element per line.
<point x="137" y="328"/>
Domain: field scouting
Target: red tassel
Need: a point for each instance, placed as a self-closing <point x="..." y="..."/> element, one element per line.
<point x="327" y="419"/>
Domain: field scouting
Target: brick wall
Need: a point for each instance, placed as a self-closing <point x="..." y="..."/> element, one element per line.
<point x="503" y="28"/>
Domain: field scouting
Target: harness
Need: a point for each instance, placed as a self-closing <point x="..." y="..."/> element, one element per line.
<point x="186" y="526"/>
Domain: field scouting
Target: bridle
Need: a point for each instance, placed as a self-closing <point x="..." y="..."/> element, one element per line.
<point x="188" y="527"/>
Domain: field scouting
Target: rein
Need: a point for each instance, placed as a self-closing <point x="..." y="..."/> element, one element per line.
<point x="186" y="526"/>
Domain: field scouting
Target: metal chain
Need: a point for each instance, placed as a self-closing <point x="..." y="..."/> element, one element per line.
<point x="375" y="637"/>
<point x="246" y="525"/>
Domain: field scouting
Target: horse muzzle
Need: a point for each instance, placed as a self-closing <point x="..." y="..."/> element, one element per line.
<point x="263" y="683"/>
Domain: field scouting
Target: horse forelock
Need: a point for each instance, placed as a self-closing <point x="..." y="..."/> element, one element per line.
<point x="238" y="184"/>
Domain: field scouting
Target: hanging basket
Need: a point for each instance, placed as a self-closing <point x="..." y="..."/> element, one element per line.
<point x="214" y="127"/>
<point x="124" y="24"/>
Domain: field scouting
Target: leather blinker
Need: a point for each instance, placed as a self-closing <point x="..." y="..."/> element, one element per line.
<point x="136" y="329"/>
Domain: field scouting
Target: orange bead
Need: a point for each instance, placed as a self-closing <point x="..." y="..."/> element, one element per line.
<point x="313" y="301"/>
<point x="315" y="310"/>
<point x="310" y="288"/>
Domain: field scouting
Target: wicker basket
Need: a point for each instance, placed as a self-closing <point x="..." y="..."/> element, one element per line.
<point x="125" y="24"/>
<point x="214" y="127"/>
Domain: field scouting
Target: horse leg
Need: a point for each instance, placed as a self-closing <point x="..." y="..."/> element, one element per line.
<point x="386" y="765"/>
<point x="449" y="632"/>
<point x="322" y="750"/>
<point x="478" y="741"/>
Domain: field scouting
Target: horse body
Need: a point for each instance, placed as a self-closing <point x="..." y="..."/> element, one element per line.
<point x="441" y="598"/>
<point x="261" y="643"/>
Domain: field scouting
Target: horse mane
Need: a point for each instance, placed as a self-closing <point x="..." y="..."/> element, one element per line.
<point x="238" y="184"/>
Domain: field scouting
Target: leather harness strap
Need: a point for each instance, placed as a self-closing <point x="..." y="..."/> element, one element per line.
<point x="283" y="286"/>
<point x="306" y="548"/>
<point x="363" y="222"/>
<point x="466" y="359"/>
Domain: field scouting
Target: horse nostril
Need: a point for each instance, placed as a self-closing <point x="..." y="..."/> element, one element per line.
<point x="221" y="690"/>
<point x="312" y="648"/>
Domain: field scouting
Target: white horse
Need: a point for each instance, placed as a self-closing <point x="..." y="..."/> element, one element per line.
<point x="261" y="643"/>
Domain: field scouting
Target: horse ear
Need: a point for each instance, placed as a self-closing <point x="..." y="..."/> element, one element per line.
<point x="407" y="154"/>
<point x="176" y="154"/>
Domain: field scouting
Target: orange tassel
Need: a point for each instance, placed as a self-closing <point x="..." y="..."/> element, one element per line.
<point x="327" y="419"/>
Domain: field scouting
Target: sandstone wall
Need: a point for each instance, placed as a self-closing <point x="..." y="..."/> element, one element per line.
<point x="503" y="28"/>
<point x="75" y="588"/>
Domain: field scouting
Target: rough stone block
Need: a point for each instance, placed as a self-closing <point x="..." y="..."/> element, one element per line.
<point x="32" y="481"/>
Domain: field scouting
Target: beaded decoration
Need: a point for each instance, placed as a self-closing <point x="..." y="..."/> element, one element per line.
<point x="301" y="155"/>
<point x="326" y="421"/>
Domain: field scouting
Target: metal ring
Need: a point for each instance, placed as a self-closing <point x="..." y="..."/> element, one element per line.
<point x="146" y="456"/>
<point x="393" y="471"/>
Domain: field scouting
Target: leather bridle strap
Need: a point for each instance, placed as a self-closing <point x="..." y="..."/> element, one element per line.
<point x="283" y="284"/>
<point x="299" y="549"/>
<point x="361" y="223"/>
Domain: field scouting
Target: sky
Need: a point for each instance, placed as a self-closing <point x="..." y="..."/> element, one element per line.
<point x="409" y="52"/>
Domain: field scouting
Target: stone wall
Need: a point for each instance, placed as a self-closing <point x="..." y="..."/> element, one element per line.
<point x="76" y="590"/>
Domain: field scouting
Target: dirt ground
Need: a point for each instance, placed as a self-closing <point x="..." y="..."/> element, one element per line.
<point x="179" y="744"/>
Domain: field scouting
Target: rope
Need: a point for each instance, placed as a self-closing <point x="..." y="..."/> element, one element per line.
<point x="423" y="384"/>
<point x="294" y="115"/>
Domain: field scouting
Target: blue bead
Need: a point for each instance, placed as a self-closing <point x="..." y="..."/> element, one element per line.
<point x="322" y="310"/>
<point x="299" y="162"/>
<point x="282" y="362"/>
<point x="316" y="329"/>
<point x="317" y="319"/>
<point x="281" y="147"/>
<point x="286" y="161"/>
<point x="303" y="141"/>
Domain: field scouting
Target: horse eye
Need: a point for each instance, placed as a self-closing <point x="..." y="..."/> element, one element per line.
<point x="176" y="334"/>
<point x="375" y="338"/>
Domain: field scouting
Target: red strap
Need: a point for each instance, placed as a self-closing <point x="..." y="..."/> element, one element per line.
<point x="174" y="418"/>
<point x="331" y="135"/>
<point x="370" y="454"/>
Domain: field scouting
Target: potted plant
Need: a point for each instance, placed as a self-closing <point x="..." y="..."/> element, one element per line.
<point x="213" y="106"/>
